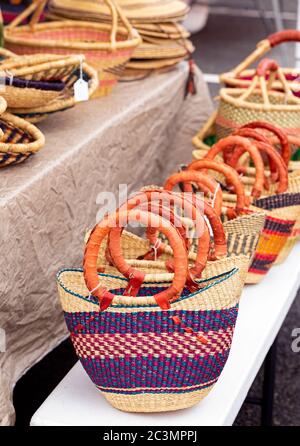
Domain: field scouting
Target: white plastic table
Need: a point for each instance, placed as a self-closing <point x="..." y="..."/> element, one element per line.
<point x="263" y="308"/>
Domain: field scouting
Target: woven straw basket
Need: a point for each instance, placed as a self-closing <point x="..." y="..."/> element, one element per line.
<point x="241" y="76"/>
<point x="203" y="141"/>
<point x="259" y="102"/>
<point x="281" y="227"/>
<point x="142" y="356"/>
<point x="106" y="47"/>
<point x="33" y="94"/>
<point x="18" y="138"/>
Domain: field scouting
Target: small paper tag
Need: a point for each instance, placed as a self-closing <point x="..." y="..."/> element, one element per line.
<point x="81" y="90"/>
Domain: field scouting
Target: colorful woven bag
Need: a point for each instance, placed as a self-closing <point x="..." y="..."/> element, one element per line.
<point x="162" y="349"/>
<point x="206" y="137"/>
<point x="281" y="213"/>
<point x="107" y="47"/>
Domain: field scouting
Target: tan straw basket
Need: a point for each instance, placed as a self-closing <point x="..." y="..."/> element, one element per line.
<point x="259" y="102"/>
<point x="18" y="140"/>
<point x="106" y="47"/>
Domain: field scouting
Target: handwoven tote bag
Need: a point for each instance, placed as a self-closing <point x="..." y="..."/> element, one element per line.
<point x="243" y="231"/>
<point x="241" y="76"/>
<point x="280" y="218"/>
<point x="142" y="357"/>
<point x="207" y="137"/>
<point x="259" y="102"/>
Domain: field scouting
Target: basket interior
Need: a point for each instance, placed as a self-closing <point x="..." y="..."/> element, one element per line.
<point x="13" y="134"/>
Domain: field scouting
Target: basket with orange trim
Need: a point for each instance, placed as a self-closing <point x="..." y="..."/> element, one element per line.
<point x="148" y="348"/>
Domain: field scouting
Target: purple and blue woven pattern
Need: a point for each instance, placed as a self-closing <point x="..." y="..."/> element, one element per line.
<point x="278" y="201"/>
<point x="143" y="351"/>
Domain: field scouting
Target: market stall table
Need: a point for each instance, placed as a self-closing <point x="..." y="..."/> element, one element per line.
<point x="138" y="135"/>
<point x="263" y="308"/>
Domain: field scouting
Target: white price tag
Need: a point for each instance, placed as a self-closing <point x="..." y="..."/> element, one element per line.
<point x="81" y="90"/>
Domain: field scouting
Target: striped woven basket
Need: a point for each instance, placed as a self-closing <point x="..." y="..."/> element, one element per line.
<point x="41" y="84"/>
<point x="106" y="47"/>
<point x="203" y="141"/>
<point x="142" y="356"/>
<point x="281" y="227"/>
<point x="18" y="138"/>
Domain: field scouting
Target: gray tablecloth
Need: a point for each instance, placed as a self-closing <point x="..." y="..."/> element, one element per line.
<point x="136" y="136"/>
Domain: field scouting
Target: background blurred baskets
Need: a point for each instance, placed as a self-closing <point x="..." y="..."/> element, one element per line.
<point x="106" y="47"/>
<point x="19" y="139"/>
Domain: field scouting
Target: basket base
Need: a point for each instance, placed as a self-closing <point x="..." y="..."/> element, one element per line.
<point x="149" y="402"/>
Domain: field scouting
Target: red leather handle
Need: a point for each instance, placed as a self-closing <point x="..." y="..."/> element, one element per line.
<point x="121" y="219"/>
<point x="272" y="155"/>
<point x="230" y="174"/>
<point x="213" y="217"/>
<point x="234" y="141"/>
<point x="265" y="66"/>
<point x="286" y="151"/>
<point x="167" y="199"/>
<point x="287" y="35"/>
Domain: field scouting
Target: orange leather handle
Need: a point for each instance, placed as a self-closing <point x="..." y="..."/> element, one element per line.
<point x="287" y="35"/>
<point x="286" y="151"/>
<point x="229" y="173"/>
<point x="121" y="219"/>
<point x="204" y="183"/>
<point x="234" y="141"/>
<point x="209" y="211"/>
<point x="167" y="200"/>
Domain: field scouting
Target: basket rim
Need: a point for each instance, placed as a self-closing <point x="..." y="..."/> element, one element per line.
<point x="228" y="95"/>
<point x="141" y="301"/>
<point x="33" y="131"/>
<point x="62" y="103"/>
<point x="11" y="36"/>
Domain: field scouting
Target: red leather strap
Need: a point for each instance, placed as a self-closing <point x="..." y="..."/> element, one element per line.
<point x="136" y="279"/>
<point x="287" y="35"/>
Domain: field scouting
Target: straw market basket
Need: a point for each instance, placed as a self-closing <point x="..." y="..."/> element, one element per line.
<point x="259" y="102"/>
<point x="36" y="73"/>
<point x="203" y="141"/>
<point x="241" y="76"/>
<point x="282" y="212"/>
<point x="41" y="80"/>
<point x="106" y="47"/>
<point x="175" y="349"/>
<point x="19" y="139"/>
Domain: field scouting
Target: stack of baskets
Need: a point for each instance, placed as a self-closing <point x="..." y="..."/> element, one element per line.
<point x="165" y="41"/>
<point x="106" y="46"/>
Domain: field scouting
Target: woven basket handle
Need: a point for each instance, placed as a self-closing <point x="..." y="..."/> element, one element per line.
<point x="37" y="7"/>
<point x="287" y="35"/>
<point x="286" y="151"/>
<point x="155" y="199"/>
<point x="120" y="219"/>
<point x="232" y="141"/>
<point x="214" y="219"/>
